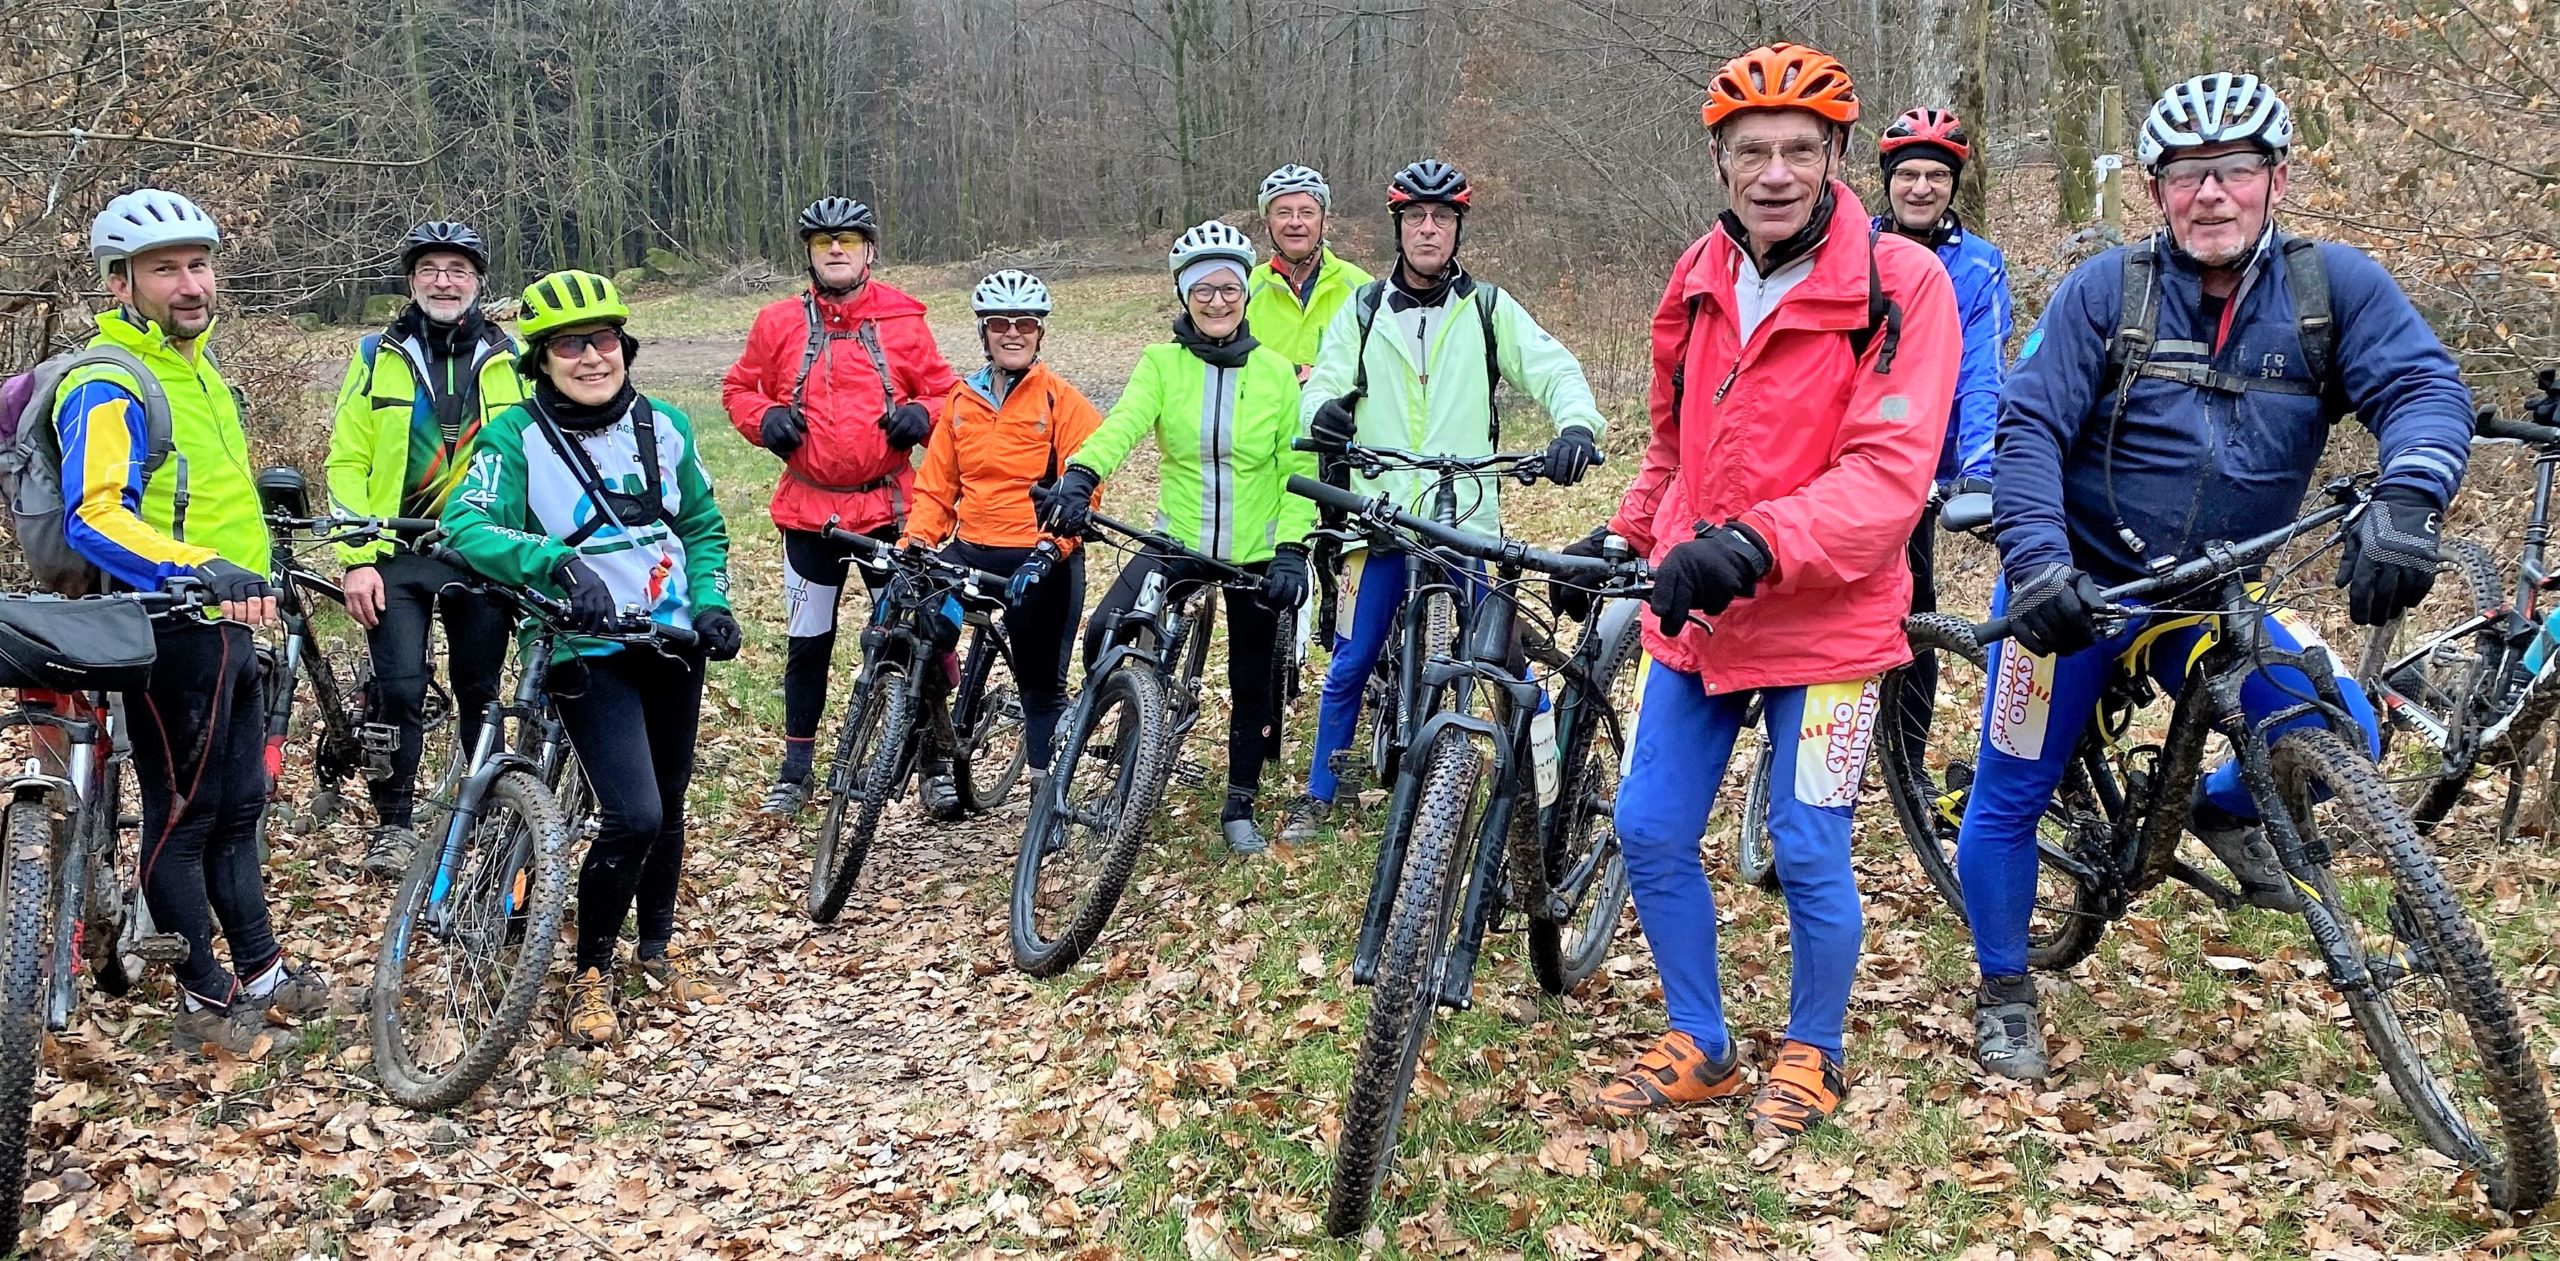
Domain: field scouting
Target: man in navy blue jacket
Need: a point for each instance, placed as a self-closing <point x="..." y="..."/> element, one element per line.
<point x="2258" y="344"/>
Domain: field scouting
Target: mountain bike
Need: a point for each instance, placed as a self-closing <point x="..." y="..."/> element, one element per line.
<point x="2398" y="947"/>
<point x="1427" y="621"/>
<point x="1504" y="803"/>
<point x="2459" y="692"/>
<point x="920" y="615"/>
<point x="70" y="887"/>
<point x="478" y="915"/>
<point x="1121" y="747"/>
<point x="346" y="742"/>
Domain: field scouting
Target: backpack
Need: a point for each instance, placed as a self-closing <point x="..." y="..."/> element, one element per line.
<point x="31" y="460"/>
<point x="1487" y="296"/>
<point x="2306" y="279"/>
<point x="1884" y="316"/>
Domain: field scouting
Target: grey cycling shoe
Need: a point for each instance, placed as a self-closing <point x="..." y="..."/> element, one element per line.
<point x="2243" y="848"/>
<point x="2008" y="1037"/>
<point x="1243" y="838"/>
<point x="785" y="797"/>
<point x="388" y="855"/>
<point x="1306" y="817"/>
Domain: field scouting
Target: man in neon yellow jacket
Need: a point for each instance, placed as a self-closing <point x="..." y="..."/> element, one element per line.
<point x="1295" y="295"/>
<point x="1409" y="363"/>
<point x="415" y="398"/>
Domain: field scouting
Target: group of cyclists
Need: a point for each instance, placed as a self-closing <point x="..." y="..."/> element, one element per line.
<point x="1819" y="374"/>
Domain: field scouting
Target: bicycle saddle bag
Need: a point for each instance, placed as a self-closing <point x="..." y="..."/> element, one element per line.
<point x="68" y="645"/>
<point x="283" y="492"/>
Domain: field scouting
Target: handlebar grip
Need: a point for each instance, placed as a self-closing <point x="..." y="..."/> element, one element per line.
<point x="1326" y="494"/>
<point x="1310" y="444"/>
<point x="1995" y="630"/>
<point x="420" y="526"/>
<point x="2492" y="426"/>
<point x="679" y="636"/>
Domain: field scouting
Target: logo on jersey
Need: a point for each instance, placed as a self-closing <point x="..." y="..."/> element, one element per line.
<point x="2021" y="702"/>
<point x="1838" y="727"/>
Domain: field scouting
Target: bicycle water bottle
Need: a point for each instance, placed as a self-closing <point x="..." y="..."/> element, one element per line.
<point x="1545" y="757"/>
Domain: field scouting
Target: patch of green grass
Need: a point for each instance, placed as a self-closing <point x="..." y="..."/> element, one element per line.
<point x="572" y="1079"/>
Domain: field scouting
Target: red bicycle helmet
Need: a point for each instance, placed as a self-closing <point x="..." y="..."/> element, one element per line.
<point x="1927" y="125"/>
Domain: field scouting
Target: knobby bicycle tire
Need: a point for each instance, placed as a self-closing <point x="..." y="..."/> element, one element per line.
<point x="2481" y="584"/>
<point x="869" y="756"/>
<point x="1137" y="784"/>
<point x="28" y="832"/>
<point x="2518" y="1162"/>
<point x="526" y="863"/>
<point x="1755" y="855"/>
<point x="985" y="785"/>
<point x="1406" y="997"/>
<point x="1603" y="743"/>
<point x="110" y="894"/>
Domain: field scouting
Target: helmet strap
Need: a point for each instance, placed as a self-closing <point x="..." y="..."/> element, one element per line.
<point x="830" y="292"/>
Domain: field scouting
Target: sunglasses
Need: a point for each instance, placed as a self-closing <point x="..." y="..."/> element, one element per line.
<point x="1001" y="324"/>
<point x="569" y="346"/>
<point x="848" y="240"/>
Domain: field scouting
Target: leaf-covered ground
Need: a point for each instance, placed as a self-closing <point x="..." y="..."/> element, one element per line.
<point x="889" y="1086"/>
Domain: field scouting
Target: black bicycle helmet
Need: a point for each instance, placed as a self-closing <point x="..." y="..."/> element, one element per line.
<point x="1429" y="180"/>
<point x="839" y="214"/>
<point x="443" y="234"/>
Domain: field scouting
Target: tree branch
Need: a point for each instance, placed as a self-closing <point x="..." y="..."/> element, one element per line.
<point x="76" y="136"/>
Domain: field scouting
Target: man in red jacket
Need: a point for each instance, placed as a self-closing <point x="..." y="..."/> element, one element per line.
<point x="1775" y="498"/>
<point x="841" y="383"/>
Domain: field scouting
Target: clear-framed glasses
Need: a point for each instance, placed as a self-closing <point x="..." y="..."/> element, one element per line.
<point x="456" y="273"/>
<point x="2236" y="171"/>
<point x="1205" y="294"/>
<point x="1803" y="153"/>
<point x="1940" y="178"/>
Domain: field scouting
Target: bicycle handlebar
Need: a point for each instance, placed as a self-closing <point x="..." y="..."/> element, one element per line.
<point x="2219" y="560"/>
<point x="1158" y="541"/>
<point x="1528" y="466"/>
<point x="628" y="628"/>
<point x="411" y="532"/>
<point x="888" y="553"/>
<point x="2488" y="424"/>
<point x="1380" y="513"/>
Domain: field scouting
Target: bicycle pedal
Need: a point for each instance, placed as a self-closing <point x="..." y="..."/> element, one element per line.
<point x="378" y="737"/>
<point x="1190" y="774"/>
<point x="167" y="948"/>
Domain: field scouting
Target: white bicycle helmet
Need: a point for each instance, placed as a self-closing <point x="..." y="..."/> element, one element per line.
<point x="1212" y="240"/>
<point x="2211" y="109"/>
<point x="1010" y="292"/>
<point x="146" y="219"/>
<point x="1294" y="178"/>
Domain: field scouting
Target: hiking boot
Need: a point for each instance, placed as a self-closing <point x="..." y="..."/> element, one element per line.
<point x="785" y="797"/>
<point x="675" y="977"/>
<point x="240" y="1029"/>
<point x="302" y="995"/>
<point x="1674" y="1072"/>
<point x="2243" y="848"/>
<point x="387" y="855"/>
<point x="2008" y="1037"/>
<point x="1305" y="818"/>
<point x="590" y="1020"/>
<point x="1802" y="1091"/>
<point x="1243" y="839"/>
<point x="940" y="793"/>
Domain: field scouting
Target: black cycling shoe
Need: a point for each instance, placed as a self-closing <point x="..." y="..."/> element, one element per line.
<point x="2008" y="1036"/>
<point x="786" y="797"/>
<point x="2242" y="846"/>
<point x="940" y="792"/>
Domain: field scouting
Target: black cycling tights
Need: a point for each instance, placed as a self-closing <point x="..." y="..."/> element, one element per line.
<point x="1042" y="630"/>
<point x="199" y="736"/>
<point x="1253" y="654"/>
<point x="475" y="636"/>
<point x="633" y="722"/>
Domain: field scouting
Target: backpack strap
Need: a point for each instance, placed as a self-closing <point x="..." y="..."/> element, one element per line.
<point x="815" y="346"/>
<point x="2137" y="317"/>
<point x="2306" y="281"/>
<point x="644" y="429"/>
<point x="868" y="333"/>
<point x="1884" y="315"/>
<point x="1487" y="296"/>
<point x="159" y="440"/>
<point x="1366" y="311"/>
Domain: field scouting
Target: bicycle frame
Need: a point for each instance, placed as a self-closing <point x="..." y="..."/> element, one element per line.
<point x="74" y="731"/>
<point x="538" y="729"/>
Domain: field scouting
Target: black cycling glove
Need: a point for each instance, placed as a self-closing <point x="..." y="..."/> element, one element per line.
<point x="591" y="607"/>
<point x="781" y="431"/>
<point x="2391" y="555"/>
<point x="1571" y="455"/>
<point x="2054" y="612"/>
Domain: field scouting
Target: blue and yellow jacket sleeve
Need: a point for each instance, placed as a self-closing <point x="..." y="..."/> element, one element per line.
<point x="101" y="426"/>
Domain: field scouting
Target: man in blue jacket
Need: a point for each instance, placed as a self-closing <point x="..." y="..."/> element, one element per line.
<point x="1923" y="155"/>
<point x="2177" y="392"/>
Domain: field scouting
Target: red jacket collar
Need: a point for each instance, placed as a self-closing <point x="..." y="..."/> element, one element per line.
<point x="1834" y="296"/>
<point x="874" y="301"/>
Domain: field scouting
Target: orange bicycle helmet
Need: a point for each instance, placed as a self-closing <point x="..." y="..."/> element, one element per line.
<point x="1782" y="76"/>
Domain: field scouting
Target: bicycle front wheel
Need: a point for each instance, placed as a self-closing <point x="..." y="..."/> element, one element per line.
<point x="869" y="755"/>
<point x="2435" y="1013"/>
<point x="1082" y="841"/>
<point x="463" y="959"/>
<point x="27" y="829"/>
<point x="1416" y="955"/>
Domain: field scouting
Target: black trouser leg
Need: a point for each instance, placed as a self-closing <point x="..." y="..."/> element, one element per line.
<point x="1257" y="641"/>
<point x="1042" y="630"/>
<point x="476" y="633"/>
<point x="198" y="756"/>
<point x="633" y="727"/>
<point x="1919" y="687"/>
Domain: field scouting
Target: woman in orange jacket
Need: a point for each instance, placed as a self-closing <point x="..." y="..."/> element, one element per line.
<point x="1008" y="427"/>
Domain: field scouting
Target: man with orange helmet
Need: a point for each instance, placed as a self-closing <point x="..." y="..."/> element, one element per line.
<point x="1923" y="155"/>
<point x="1802" y="371"/>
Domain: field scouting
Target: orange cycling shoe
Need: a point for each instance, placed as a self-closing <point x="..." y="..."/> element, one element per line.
<point x="1674" y="1072"/>
<point x="1803" y="1090"/>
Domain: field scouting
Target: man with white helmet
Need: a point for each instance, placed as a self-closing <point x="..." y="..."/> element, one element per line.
<point x="2179" y="392"/>
<point x="156" y="499"/>
<point x="1296" y="294"/>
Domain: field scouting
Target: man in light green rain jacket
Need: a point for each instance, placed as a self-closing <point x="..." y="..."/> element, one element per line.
<point x="1405" y="364"/>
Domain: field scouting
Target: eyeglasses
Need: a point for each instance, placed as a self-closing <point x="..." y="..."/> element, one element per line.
<point x="845" y="240"/>
<point x="1753" y="156"/>
<point x="1002" y="324"/>
<point x="1294" y="214"/>
<point x="464" y="272"/>
<point x="1445" y="216"/>
<point x="1934" y="179"/>
<point x="2236" y="171"/>
<point x="567" y="346"/>
<point x="1205" y="294"/>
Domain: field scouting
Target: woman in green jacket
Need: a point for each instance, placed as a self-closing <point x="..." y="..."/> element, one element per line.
<point x="594" y="494"/>
<point x="1223" y="410"/>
